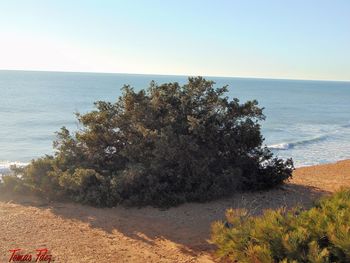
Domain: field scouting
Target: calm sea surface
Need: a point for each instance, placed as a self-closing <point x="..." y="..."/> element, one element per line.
<point x="306" y="120"/>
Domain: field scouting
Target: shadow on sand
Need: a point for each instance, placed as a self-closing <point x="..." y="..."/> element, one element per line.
<point x="188" y="225"/>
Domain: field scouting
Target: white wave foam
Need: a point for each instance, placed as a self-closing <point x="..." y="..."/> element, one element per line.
<point x="290" y="145"/>
<point x="6" y="165"/>
<point x="279" y="146"/>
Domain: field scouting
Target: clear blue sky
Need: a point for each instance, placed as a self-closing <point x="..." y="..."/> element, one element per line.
<point x="305" y="39"/>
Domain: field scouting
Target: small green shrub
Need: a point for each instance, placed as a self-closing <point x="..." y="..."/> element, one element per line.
<point x="321" y="234"/>
<point x="11" y="183"/>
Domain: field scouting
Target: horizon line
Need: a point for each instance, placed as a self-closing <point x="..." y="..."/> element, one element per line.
<point x="175" y="75"/>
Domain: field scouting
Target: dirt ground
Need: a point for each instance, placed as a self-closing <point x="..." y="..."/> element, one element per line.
<point x="76" y="233"/>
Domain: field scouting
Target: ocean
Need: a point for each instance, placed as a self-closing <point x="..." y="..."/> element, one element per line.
<point x="306" y="120"/>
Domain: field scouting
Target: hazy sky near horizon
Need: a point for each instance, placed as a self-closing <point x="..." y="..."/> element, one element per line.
<point x="247" y="38"/>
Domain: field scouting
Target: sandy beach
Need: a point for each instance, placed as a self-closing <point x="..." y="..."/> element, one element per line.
<point x="76" y="233"/>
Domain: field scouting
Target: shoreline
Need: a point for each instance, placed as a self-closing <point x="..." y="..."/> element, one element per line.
<point x="5" y="165"/>
<point x="179" y="234"/>
<point x="330" y="176"/>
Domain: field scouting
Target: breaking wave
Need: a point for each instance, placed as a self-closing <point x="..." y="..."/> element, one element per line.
<point x="290" y="145"/>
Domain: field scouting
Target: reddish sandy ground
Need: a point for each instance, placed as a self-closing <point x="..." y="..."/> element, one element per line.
<point x="76" y="233"/>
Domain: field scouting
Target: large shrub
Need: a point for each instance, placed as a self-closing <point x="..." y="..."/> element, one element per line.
<point x="321" y="234"/>
<point x="161" y="146"/>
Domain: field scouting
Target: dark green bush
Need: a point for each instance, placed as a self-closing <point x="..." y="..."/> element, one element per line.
<point x="321" y="234"/>
<point x="163" y="146"/>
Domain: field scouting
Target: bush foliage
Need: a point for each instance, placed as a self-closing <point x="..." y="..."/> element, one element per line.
<point x="161" y="146"/>
<point x="321" y="234"/>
